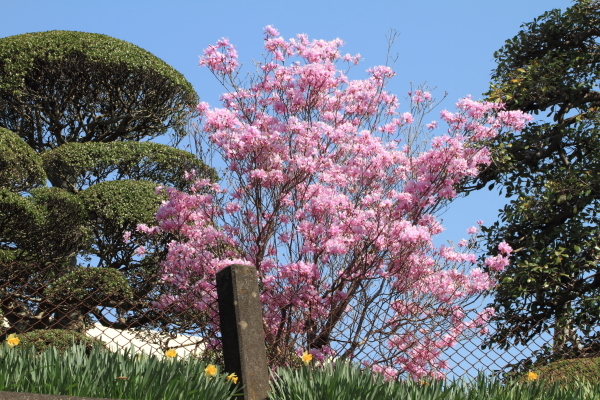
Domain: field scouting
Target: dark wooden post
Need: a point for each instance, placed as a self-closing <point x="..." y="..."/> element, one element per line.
<point x="242" y="332"/>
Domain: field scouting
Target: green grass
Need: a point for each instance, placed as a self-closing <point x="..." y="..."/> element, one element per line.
<point x="568" y="371"/>
<point x="127" y="376"/>
<point x="108" y="375"/>
<point x="344" y="381"/>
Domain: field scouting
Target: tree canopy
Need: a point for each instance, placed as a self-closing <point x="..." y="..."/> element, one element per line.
<point x="58" y="87"/>
<point x="551" y="173"/>
<point x="336" y="218"/>
<point x="75" y="177"/>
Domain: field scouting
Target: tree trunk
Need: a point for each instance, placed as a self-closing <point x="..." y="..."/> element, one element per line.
<point x="564" y="333"/>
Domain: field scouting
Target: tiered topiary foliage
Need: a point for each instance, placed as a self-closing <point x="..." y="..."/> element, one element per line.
<point x="75" y="175"/>
<point x="62" y="86"/>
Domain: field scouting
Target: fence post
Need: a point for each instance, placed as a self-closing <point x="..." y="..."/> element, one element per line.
<point x="242" y="332"/>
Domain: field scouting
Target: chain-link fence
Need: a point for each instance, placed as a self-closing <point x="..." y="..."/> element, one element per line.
<point x="45" y="305"/>
<point x="51" y="304"/>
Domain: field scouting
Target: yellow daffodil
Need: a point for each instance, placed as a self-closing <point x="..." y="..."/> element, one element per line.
<point x="13" y="340"/>
<point x="306" y="357"/>
<point x="233" y="378"/>
<point x="531" y="376"/>
<point x="171" y="353"/>
<point x="210" y="370"/>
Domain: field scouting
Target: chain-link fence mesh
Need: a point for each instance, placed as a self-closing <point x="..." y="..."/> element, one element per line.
<point x="43" y="305"/>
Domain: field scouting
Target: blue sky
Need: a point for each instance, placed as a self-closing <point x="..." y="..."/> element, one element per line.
<point x="448" y="44"/>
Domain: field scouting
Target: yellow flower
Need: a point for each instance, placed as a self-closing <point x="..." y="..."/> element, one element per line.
<point x="531" y="376"/>
<point x="171" y="353"/>
<point x="13" y="340"/>
<point x="423" y="383"/>
<point x="306" y="357"/>
<point x="210" y="370"/>
<point x="233" y="378"/>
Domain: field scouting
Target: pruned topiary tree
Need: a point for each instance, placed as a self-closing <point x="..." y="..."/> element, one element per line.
<point x="77" y="172"/>
<point x="59" y="87"/>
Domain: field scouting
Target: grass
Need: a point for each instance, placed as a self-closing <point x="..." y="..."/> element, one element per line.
<point x="565" y="371"/>
<point x="109" y="375"/>
<point x="127" y="376"/>
<point x="344" y="381"/>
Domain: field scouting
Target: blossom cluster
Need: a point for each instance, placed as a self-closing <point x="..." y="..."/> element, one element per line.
<point x="327" y="200"/>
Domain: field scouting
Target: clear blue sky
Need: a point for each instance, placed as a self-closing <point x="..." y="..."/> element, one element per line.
<point x="447" y="43"/>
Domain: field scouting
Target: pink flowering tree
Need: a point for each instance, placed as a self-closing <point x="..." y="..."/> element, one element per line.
<point x="334" y="210"/>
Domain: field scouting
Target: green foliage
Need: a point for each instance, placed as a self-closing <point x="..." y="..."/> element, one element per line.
<point x="552" y="63"/>
<point x="93" y="88"/>
<point x="123" y="203"/>
<point x="20" y="167"/>
<point x="568" y="372"/>
<point x="98" y="373"/>
<point x="17" y="214"/>
<point x="19" y="54"/>
<point x="60" y="339"/>
<point x="94" y="286"/>
<point x="65" y="213"/>
<point x="344" y="381"/>
<point x="49" y="224"/>
<point x="551" y="172"/>
<point x="115" y="207"/>
<point x="85" y="164"/>
<point x="74" y="108"/>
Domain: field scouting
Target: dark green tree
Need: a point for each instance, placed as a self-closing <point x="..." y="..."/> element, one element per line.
<point x="551" y="173"/>
<point x="77" y="172"/>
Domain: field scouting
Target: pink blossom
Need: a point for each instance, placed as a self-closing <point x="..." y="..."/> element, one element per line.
<point x="232" y="207"/>
<point x="327" y="201"/>
<point x="381" y="72"/>
<point x="504" y="248"/>
<point x="202" y="107"/>
<point x="432" y="125"/>
<point x="515" y="119"/>
<point x="270" y="31"/>
<point x="224" y="61"/>
<point x="497" y="263"/>
<point x="354" y="59"/>
<point x="419" y="96"/>
<point x="189" y="175"/>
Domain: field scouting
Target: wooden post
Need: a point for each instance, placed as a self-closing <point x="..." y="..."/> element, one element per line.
<point x="242" y="332"/>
